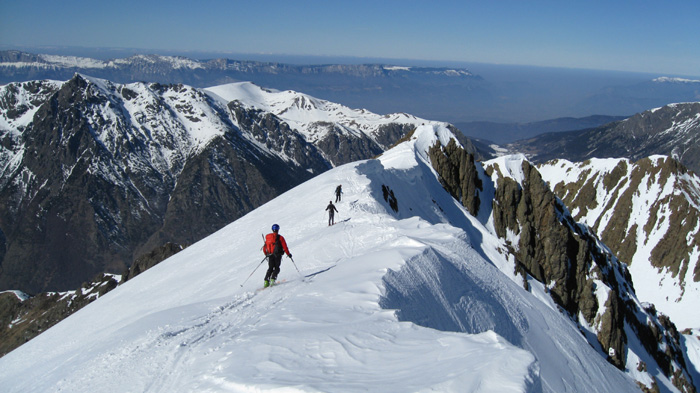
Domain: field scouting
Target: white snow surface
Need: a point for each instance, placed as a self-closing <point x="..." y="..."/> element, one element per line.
<point x="381" y="301"/>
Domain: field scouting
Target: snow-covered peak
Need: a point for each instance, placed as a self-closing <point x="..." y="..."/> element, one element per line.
<point x="510" y="166"/>
<point x="302" y="112"/>
<point x="188" y="125"/>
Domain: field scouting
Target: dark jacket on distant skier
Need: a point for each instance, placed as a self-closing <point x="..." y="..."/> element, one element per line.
<point x="331" y="213"/>
<point x="338" y="191"/>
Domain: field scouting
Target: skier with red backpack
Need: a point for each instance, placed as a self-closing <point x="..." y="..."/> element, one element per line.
<point x="275" y="246"/>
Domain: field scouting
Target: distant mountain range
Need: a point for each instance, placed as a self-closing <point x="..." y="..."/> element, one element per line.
<point x="506" y="95"/>
<point x="378" y="87"/>
<point x="502" y="133"/>
<point x="672" y="130"/>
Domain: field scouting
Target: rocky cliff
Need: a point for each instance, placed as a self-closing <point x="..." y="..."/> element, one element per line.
<point x="646" y="212"/>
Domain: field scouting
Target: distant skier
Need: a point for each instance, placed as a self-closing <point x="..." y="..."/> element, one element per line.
<point x="331" y="213"/>
<point x="338" y="191"/>
<point x="275" y="246"/>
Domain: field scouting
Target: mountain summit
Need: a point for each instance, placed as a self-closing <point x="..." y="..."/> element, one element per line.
<point x="409" y="291"/>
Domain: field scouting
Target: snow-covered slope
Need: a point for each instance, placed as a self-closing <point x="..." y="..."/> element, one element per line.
<point x="647" y="212"/>
<point x="308" y="114"/>
<point x="385" y="300"/>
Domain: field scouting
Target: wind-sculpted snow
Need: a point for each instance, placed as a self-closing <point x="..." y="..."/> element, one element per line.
<point x="350" y="319"/>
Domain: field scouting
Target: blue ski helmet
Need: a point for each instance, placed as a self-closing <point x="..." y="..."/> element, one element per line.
<point x="275" y="228"/>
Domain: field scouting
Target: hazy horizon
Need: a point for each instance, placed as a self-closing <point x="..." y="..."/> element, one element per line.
<point x="646" y="37"/>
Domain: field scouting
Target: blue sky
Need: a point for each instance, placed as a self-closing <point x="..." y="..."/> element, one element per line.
<point x="646" y="36"/>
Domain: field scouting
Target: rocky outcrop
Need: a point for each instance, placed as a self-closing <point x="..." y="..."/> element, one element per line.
<point x="24" y="317"/>
<point x="646" y="213"/>
<point x="550" y="250"/>
<point x="549" y="246"/>
<point x="147" y="261"/>
<point x="458" y="174"/>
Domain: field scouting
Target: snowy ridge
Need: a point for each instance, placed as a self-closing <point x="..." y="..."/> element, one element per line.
<point x="57" y="61"/>
<point x="650" y="218"/>
<point x="305" y="113"/>
<point x="189" y="124"/>
<point x="387" y="301"/>
<point x="193" y="117"/>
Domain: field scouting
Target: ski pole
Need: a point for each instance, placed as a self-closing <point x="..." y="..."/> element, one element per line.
<point x="295" y="265"/>
<point x="256" y="268"/>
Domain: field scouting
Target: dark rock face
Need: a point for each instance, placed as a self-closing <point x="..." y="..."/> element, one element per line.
<point x="567" y="259"/>
<point x="147" y="261"/>
<point x="22" y="320"/>
<point x="339" y="147"/>
<point x="458" y="174"/>
<point x="673" y="130"/>
<point x="549" y="250"/>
